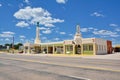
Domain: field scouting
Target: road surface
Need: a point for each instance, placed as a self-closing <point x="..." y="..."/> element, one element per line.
<point x="23" y="67"/>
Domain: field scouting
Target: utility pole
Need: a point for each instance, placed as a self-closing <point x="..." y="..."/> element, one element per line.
<point x="13" y="44"/>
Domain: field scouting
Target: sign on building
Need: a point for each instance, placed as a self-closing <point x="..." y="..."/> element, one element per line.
<point x="68" y="42"/>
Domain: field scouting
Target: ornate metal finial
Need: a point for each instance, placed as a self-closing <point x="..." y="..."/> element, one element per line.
<point x="37" y="24"/>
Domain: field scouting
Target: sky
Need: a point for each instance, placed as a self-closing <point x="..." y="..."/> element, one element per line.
<point x="58" y="20"/>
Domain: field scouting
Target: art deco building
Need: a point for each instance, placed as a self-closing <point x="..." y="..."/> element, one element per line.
<point x="79" y="45"/>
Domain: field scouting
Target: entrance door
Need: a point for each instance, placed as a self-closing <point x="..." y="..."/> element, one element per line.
<point x="78" y="49"/>
<point x="50" y="50"/>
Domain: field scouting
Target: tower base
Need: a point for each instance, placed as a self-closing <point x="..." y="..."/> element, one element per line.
<point x="37" y="41"/>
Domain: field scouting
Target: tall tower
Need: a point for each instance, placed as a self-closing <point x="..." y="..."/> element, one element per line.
<point x="37" y="39"/>
<point x="78" y="37"/>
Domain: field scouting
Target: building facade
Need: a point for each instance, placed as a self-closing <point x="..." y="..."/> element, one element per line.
<point x="79" y="45"/>
<point x="109" y="47"/>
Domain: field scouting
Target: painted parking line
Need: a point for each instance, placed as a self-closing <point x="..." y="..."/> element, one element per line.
<point x="66" y="65"/>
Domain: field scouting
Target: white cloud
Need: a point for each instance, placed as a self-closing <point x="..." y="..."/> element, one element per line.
<point x="113" y="25"/>
<point x="103" y="33"/>
<point x="40" y="34"/>
<point x="49" y="25"/>
<point x="117" y="29"/>
<point x="56" y="39"/>
<point x="7" y="34"/>
<point x="106" y="33"/>
<point x="84" y="29"/>
<point x="70" y="34"/>
<point x="7" y="39"/>
<point x="43" y="28"/>
<point x="22" y="36"/>
<point x="62" y="33"/>
<point x="114" y="35"/>
<point x="28" y="27"/>
<point x="22" y="24"/>
<point x="1" y="39"/>
<point x="48" y="31"/>
<point x="22" y="39"/>
<point x="20" y="5"/>
<point x="26" y="1"/>
<point x="88" y="29"/>
<point x="33" y="15"/>
<point x="91" y="28"/>
<point x="61" y="1"/>
<point x="44" y="38"/>
<point x="0" y="5"/>
<point x="97" y="14"/>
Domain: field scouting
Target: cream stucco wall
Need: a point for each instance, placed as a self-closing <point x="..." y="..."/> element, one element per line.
<point x="101" y="46"/>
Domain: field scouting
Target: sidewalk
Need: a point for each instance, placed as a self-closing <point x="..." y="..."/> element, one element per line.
<point x="115" y="56"/>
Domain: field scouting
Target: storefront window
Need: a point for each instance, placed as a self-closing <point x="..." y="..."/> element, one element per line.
<point x="69" y="48"/>
<point x="88" y="47"/>
<point x="85" y="47"/>
<point x="59" y="49"/>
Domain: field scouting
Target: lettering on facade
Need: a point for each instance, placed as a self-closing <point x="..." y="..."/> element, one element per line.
<point x="68" y="42"/>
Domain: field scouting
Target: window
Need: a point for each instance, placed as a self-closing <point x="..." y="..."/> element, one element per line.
<point x="100" y="47"/>
<point x="104" y="47"/>
<point x="88" y="47"/>
<point x="69" y="48"/>
<point x="96" y="47"/>
<point x="85" y="47"/>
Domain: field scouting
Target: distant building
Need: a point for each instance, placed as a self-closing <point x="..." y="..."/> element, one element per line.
<point x="117" y="48"/>
<point x="79" y="45"/>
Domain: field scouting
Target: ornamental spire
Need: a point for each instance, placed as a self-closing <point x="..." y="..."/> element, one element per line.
<point x="78" y="29"/>
<point x="78" y="37"/>
<point x="37" y="39"/>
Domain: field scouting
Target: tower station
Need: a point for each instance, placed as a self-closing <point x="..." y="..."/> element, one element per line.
<point x="78" y="45"/>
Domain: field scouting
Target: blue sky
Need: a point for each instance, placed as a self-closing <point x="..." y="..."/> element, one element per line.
<point x="58" y="19"/>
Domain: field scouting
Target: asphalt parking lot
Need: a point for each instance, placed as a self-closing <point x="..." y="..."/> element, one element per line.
<point x="47" y="67"/>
